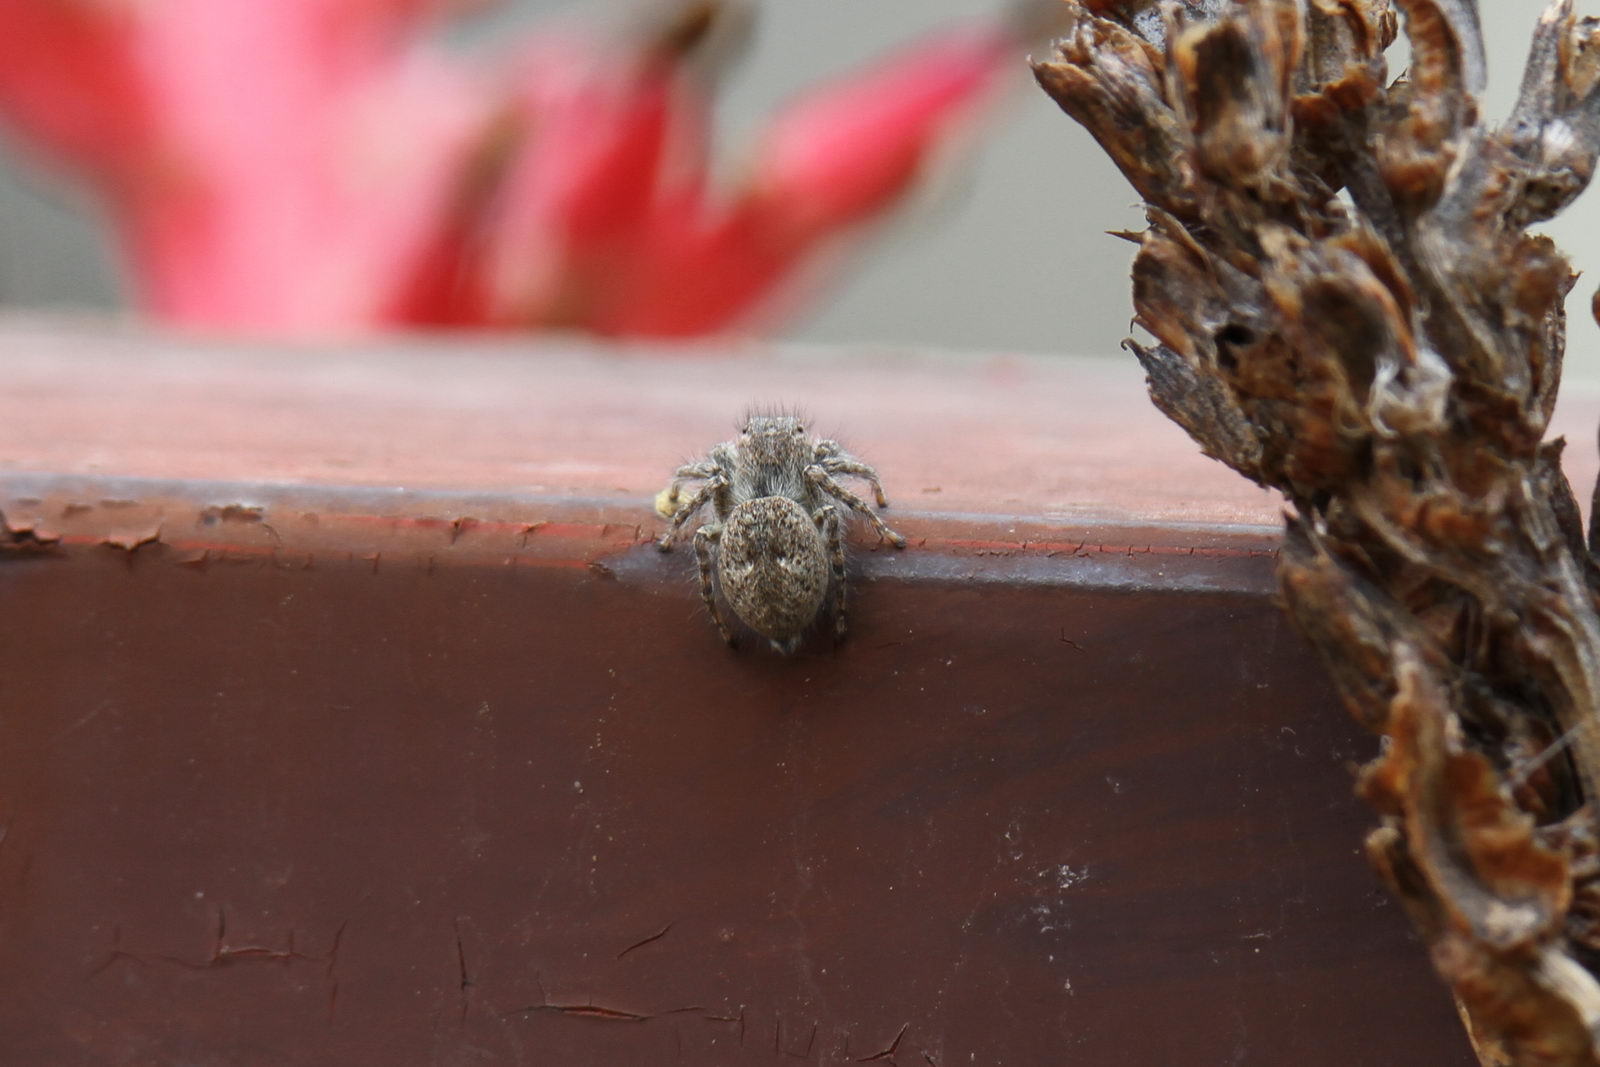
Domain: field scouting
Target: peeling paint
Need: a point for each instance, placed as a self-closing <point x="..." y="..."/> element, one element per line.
<point x="131" y="541"/>
<point x="246" y="513"/>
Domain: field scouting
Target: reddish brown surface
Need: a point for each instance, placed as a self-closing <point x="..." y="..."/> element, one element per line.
<point x="487" y="417"/>
<point x="298" y="766"/>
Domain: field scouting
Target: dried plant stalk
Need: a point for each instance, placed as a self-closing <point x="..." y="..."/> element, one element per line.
<point x="1347" y="307"/>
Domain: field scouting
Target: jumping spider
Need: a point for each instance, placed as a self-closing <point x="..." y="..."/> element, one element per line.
<point x="777" y="539"/>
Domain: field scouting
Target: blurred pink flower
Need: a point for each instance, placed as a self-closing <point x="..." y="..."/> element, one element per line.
<point x="301" y="166"/>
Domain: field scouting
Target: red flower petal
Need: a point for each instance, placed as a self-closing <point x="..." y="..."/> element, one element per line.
<point x="836" y="159"/>
<point x="848" y="152"/>
<point x="68" y="79"/>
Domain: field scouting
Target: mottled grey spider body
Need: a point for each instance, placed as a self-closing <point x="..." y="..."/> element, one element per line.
<point x="776" y="544"/>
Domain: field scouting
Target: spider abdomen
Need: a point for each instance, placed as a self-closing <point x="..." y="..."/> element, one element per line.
<point x="772" y="565"/>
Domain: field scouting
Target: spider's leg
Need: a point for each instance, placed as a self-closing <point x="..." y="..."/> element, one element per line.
<point x="847" y="464"/>
<point x="823" y="481"/>
<point x="671" y="498"/>
<point x="695" y="471"/>
<point x="703" y="468"/>
<point x="704" y="538"/>
<point x="725" y="457"/>
<point x="694" y="504"/>
<point x="827" y="519"/>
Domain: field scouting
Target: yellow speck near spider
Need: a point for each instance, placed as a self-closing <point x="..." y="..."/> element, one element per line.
<point x="667" y="501"/>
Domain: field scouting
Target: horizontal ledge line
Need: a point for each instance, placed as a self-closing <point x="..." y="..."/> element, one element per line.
<point x="235" y="522"/>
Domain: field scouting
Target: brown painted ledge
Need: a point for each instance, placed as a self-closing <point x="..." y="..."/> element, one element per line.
<point x="347" y="719"/>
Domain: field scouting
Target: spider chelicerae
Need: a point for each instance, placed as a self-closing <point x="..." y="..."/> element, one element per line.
<point x="776" y="543"/>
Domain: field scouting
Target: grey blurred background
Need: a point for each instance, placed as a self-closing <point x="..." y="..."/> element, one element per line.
<point x="1007" y="253"/>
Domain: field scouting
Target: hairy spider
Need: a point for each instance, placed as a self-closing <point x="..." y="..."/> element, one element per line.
<point x="777" y="541"/>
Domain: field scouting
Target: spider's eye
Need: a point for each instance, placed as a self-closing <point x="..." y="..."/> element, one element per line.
<point x="798" y="429"/>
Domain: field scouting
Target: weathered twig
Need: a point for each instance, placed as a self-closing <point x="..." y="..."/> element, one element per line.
<point x="1346" y="306"/>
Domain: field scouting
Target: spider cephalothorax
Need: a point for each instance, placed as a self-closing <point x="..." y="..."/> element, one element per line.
<point x="776" y="544"/>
